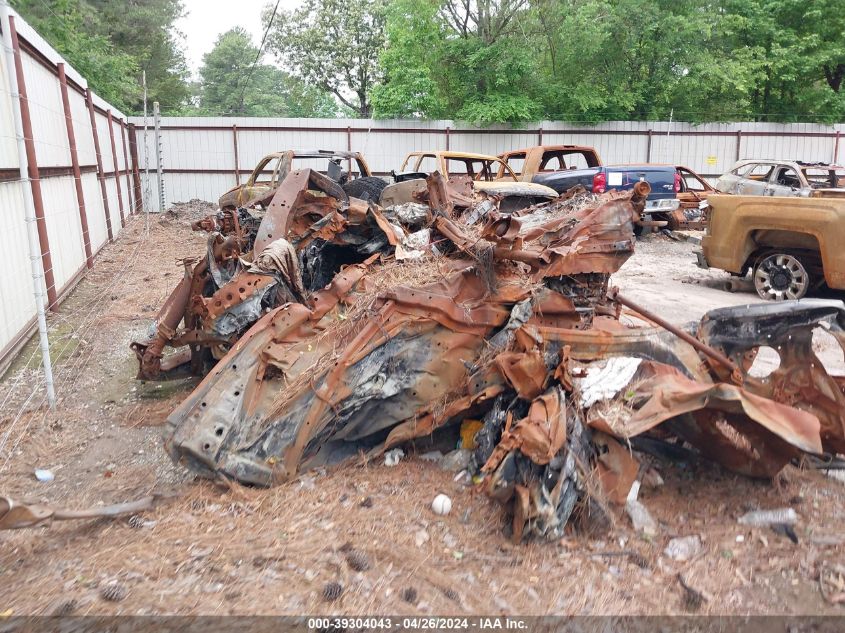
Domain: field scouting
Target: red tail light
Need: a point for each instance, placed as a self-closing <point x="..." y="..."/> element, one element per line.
<point x="677" y="182"/>
<point x="599" y="183"/>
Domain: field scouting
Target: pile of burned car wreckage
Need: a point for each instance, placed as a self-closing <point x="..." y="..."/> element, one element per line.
<point x="332" y="329"/>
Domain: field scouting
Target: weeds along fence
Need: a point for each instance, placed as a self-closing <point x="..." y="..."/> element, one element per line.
<point x="80" y="188"/>
<point x="203" y="157"/>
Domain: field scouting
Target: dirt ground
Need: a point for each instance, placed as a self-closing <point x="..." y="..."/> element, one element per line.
<point x="207" y="550"/>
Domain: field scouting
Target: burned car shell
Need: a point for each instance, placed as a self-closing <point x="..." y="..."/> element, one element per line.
<point x="279" y="164"/>
<point x="767" y="177"/>
<point x="493" y="176"/>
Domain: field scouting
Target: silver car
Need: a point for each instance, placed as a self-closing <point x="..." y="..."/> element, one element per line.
<point x="783" y="178"/>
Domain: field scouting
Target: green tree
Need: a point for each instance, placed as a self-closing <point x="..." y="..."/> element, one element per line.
<point x="791" y="53"/>
<point x="471" y="60"/>
<point x="72" y="27"/>
<point x="146" y="32"/>
<point x="110" y="42"/>
<point x="333" y="45"/>
<point x="231" y="84"/>
<point x="409" y="86"/>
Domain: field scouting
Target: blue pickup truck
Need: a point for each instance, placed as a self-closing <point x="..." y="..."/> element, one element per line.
<point x="562" y="167"/>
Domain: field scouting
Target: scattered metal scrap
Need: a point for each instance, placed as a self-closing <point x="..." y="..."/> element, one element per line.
<point x="511" y="322"/>
<point x="14" y="515"/>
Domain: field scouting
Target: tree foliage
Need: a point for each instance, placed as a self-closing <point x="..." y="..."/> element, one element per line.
<point x="110" y="42"/>
<point x="73" y="28"/>
<point x="333" y="45"/>
<point x="146" y="32"/>
<point x="485" y="61"/>
<point x="233" y="85"/>
<point x="592" y="60"/>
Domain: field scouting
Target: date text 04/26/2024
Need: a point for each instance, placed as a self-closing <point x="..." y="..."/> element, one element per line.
<point x="432" y="623"/>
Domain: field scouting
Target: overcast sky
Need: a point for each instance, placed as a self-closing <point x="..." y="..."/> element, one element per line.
<point x="206" y="19"/>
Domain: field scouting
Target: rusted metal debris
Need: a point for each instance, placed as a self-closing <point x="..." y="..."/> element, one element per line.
<point x="505" y="318"/>
<point x="14" y="515"/>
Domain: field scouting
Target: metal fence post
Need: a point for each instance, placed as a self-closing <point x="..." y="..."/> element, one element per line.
<point x="160" y="176"/>
<point x="35" y="259"/>
<point x="237" y="158"/>
<point x="101" y="176"/>
<point x="33" y="174"/>
<point x="77" y="175"/>
<point x="116" y="168"/>
<point x="133" y="204"/>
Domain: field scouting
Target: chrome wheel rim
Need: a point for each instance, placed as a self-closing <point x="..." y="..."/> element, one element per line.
<point x="780" y="277"/>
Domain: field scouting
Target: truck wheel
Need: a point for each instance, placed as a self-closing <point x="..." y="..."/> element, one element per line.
<point x="780" y="276"/>
<point x="365" y="188"/>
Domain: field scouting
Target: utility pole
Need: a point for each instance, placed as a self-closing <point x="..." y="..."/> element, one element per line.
<point x="29" y="206"/>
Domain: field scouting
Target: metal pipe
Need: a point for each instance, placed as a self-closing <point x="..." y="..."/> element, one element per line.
<point x="32" y="166"/>
<point x="36" y="262"/>
<point x="77" y="175"/>
<point x="100" y="174"/>
<point x="116" y="168"/>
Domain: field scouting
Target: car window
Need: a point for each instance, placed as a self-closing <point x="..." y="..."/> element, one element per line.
<point x="319" y="163"/>
<point x="787" y="177"/>
<point x="458" y="166"/>
<point x="427" y="164"/>
<point x="504" y="171"/>
<point x="690" y="181"/>
<point x="516" y="162"/>
<point x="825" y="177"/>
<point x="756" y="171"/>
<point x="575" y="160"/>
<point x="265" y="170"/>
<point x="552" y="161"/>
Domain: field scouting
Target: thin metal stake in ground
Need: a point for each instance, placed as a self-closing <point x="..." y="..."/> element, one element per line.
<point x="157" y="119"/>
<point x="29" y="206"/>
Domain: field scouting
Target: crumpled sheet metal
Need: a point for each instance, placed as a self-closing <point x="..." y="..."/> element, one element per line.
<point x="224" y="293"/>
<point x="800" y="379"/>
<point x="539" y="435"/>
<point x="304" y="387"/>
<point x="416" y="352"/>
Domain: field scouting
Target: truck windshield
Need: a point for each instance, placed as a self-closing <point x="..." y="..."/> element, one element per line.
<point x="825" y="177"/>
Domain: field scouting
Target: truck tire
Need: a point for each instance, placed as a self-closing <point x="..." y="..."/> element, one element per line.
<point x="365" y="188"/>
<point x="779" y="276"/>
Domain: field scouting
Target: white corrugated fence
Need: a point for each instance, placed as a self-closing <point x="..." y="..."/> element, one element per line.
<point x="59" y="211"/>
<point x="205" y="156"/>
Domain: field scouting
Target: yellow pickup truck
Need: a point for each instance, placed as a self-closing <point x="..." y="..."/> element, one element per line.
<point x="791" y="245"/>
